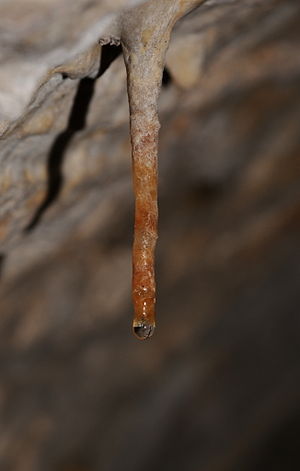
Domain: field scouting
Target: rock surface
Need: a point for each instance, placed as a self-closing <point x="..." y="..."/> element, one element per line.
<point x="217" y="388"/>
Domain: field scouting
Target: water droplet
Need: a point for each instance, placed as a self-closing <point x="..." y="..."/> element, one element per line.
<point x="143" y="331"/>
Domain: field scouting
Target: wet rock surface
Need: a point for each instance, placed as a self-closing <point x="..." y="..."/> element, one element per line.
<point x="217" y="387"/>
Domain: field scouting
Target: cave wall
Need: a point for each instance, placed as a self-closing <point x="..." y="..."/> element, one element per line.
<point x="217" y="387"/>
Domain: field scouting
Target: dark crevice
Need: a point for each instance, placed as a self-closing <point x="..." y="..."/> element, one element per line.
<point x="109" y="54"/>
<point x="166" y="78"/>
<point x="76" y="122"/>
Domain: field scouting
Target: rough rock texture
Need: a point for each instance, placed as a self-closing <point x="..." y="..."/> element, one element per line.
<point x="217" y="388"/>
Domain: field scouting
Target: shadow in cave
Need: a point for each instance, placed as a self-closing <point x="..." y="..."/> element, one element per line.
<point x="76" y="122"/>
<point x="2" y="260"/>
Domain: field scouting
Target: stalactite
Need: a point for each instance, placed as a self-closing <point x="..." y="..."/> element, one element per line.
<point x="144" y="33"/>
